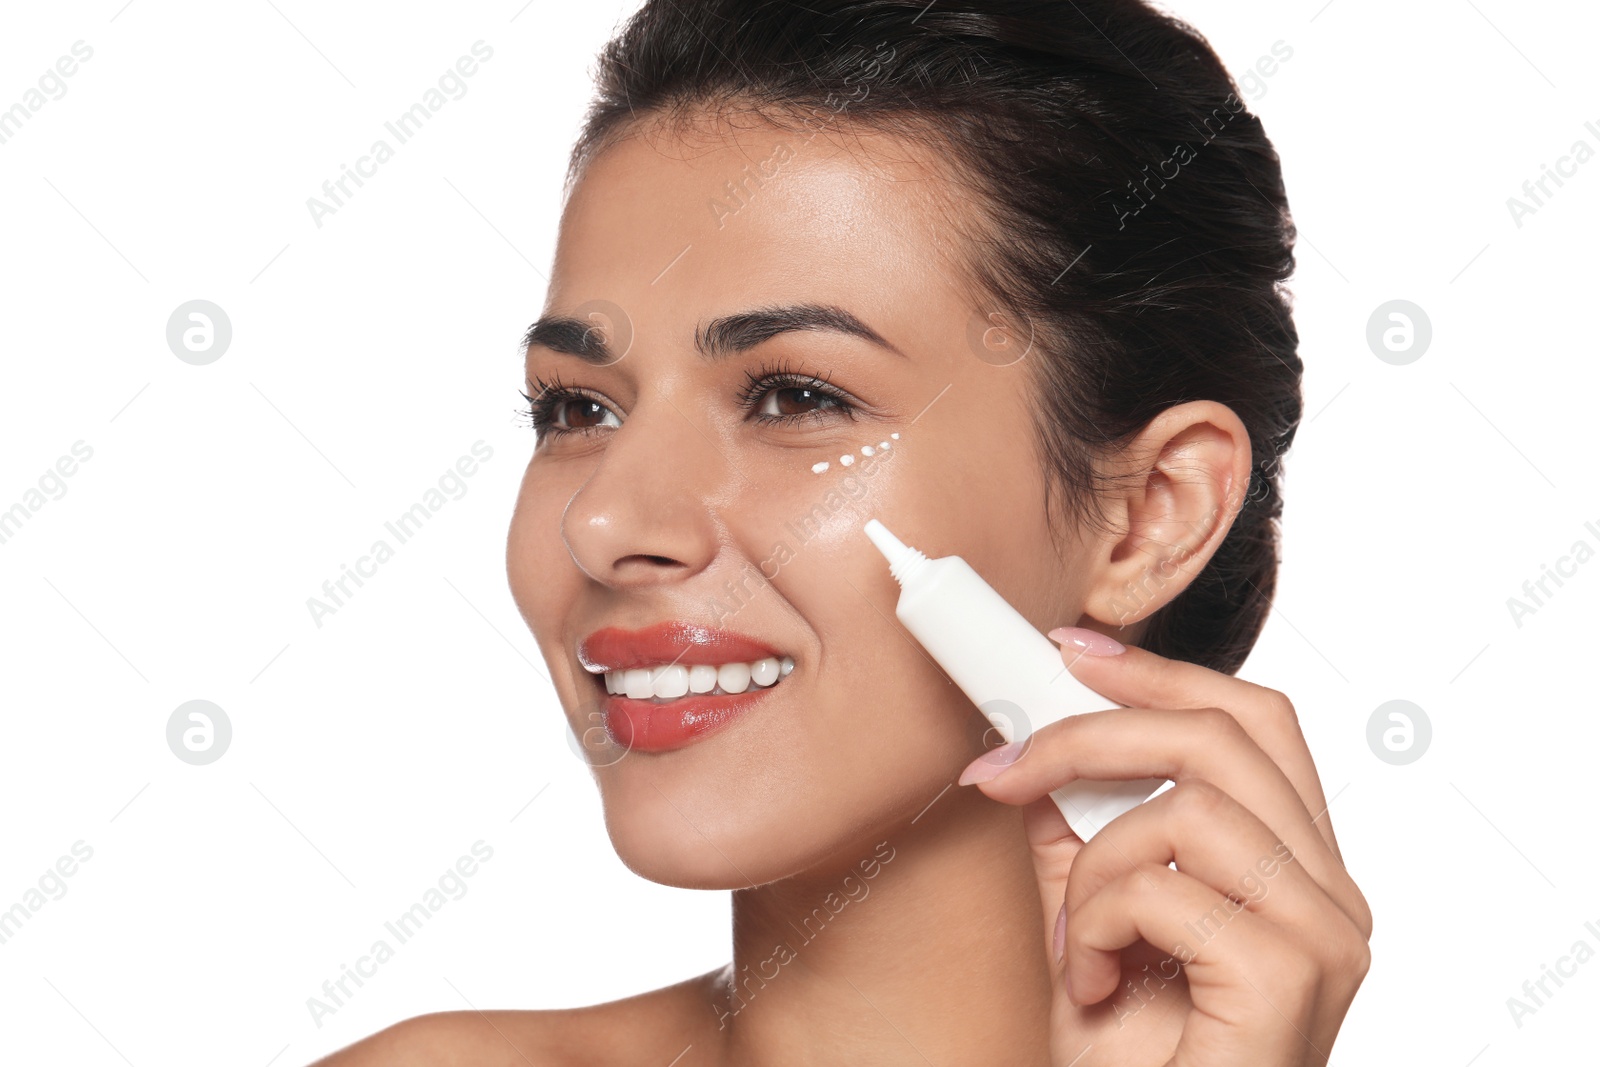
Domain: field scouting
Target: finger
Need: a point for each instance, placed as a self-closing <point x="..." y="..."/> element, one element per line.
<point x="1250" y="984"/>
<point x="1207" y="744"/>
<point x="1053" y="845"/>
<point x="1218" y="842"/>
<point x="1140" y="678"/>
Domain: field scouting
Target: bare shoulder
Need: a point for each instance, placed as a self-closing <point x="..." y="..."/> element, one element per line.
<point x="666" y="1020"/>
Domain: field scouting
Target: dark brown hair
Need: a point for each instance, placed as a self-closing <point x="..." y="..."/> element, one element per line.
<point x="1126" y="207"/>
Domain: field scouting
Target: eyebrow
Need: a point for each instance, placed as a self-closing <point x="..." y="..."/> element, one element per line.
<point x="725" y="336"/>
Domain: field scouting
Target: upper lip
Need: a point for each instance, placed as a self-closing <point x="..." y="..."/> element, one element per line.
<point x="614" y="649"/>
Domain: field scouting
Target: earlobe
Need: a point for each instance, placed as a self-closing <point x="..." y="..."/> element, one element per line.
<point x="1185" y="479"/>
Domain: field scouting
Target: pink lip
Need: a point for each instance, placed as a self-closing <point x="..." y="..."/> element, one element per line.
<point x="641" y="726"/>
<point x="615" y="649"/>
<point x="644" y="726"/>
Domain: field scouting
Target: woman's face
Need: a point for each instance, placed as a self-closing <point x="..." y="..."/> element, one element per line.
<point x="685" y="487"/>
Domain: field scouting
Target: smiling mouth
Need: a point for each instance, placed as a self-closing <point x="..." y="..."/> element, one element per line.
<point x="668" y="683"/>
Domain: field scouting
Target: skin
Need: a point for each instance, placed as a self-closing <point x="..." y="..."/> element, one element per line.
<point x="674" y="494"/>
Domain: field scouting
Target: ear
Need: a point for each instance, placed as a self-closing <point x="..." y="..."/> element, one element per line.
<point x="1184" y="479"/>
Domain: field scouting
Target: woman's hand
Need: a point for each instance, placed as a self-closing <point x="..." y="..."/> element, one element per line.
<point x="1250" y="952"/>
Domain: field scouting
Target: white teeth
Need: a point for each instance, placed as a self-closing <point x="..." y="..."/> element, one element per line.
<point x="671" y="681"/>
<point x="734" y="677"/>
<point x="636" y="684"/>
<point x="764" y="672"/>
<point x="702" y="678"/>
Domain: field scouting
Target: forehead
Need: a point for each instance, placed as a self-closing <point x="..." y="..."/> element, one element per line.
<point x="734" y="213"/>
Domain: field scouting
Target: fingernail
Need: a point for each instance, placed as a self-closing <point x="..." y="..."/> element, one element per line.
<point x="1060" y="942"/>
<point x="991" y="764"/>
<point x="1088" y="642"/>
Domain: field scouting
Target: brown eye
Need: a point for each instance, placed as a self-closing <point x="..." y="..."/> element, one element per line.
<point x="582" y="413"/>
<point x="781" y="395"/>
<point x="795" y="400"/>
<point x="557" y="410"/>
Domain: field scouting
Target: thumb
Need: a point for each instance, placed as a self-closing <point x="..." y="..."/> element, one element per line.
<point x="1054" y="846"/>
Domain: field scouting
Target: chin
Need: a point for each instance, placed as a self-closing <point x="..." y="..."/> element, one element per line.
<point x="704" y="827"/>
<point x="660" y="846"/>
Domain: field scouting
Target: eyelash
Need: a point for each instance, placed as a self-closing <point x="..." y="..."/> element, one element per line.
<point x="768" y="378"/>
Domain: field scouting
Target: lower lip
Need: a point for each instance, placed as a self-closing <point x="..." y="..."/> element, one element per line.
<point x="643" y="726"/>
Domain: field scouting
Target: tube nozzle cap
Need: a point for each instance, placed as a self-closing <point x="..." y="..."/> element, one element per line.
<point x="887" y="543"/>
<point x="901" y="556"/>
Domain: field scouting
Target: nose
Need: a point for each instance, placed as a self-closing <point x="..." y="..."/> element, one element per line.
<point x="646" y="515"/>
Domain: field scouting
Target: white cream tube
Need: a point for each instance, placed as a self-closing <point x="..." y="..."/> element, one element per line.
<point x="1009" y="670"/>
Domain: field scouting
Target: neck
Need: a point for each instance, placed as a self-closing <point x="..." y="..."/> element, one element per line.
<point x="925" y="944"/>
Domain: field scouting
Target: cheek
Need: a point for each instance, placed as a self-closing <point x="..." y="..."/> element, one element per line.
<point x="802" y="529"/>
<point x="873" y="684"/>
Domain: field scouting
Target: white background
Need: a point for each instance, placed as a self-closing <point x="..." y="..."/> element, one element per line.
<point x="368" y="354"/>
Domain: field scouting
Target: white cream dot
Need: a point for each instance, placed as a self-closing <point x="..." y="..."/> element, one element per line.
<point x="846" y="459"/>
<point x="866" y="450"/>
<point x="883" y="445"/>
<point x="818" y="468"/>
<point x="895" y="436"/>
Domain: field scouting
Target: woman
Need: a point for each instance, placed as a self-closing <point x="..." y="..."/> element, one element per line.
<point x="1008" y="276"/>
